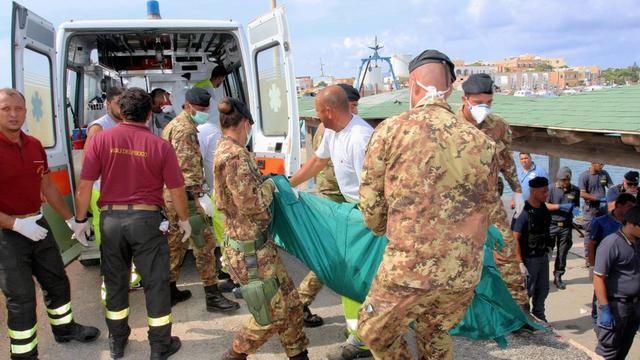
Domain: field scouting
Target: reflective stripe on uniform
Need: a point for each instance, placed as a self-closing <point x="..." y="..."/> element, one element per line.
<point x="161" y="321"/>
<point x="116" y="315"/>
<point x="61" y="321"/>
<point x="22" y="334"/>
<point x="23" y="349"/>
<point x="61" y="310"/>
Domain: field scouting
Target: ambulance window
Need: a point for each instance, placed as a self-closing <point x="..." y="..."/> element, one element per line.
<point x="38" y="89"/>
<point x="272" y="90"/>
<point x="72" y="99"/>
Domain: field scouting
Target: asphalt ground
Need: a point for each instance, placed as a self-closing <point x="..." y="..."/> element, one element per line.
<point x="206" y="335"/>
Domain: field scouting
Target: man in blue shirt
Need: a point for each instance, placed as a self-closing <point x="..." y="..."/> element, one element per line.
<point x="527" y="171"/>
<point x="617" y="286"/>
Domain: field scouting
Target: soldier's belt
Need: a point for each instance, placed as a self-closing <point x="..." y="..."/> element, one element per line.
<point x="26" y="215"/>
<point x="122" y="207"/>
<point x="247" y="247"/>
<point x="560" y="223"/>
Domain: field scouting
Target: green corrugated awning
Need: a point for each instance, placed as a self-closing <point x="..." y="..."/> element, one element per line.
<point x="614" y="110"/>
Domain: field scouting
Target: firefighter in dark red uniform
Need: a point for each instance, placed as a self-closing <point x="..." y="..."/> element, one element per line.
<point x="27" y="246"/>
<point x="134" y="165"/>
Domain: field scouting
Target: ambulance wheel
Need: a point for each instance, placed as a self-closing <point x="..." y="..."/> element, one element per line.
<point x="90" y="262"/>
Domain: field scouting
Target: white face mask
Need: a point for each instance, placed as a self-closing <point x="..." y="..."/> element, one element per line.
<point x="432" y="92"/>
<point x="167" y="109"/>
<point x="479" y="112"/>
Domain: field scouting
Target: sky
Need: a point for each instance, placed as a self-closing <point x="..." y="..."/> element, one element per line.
<point x="584" y="32"/>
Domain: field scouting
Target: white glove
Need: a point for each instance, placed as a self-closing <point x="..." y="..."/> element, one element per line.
<point x="164" y="226"/>
<point x="207" y="204"/>
<point x="28" y="228"/>
<point x="80" y="230"/>
<point x="185" y="226"/>
<point x="523" y="270"/>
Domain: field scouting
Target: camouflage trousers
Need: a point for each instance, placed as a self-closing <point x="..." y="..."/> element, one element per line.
<point x="285" y="310"/>
<point x="309" y="288"/>
<point x="205" y="257"/>
<point x="390" y="308"/>
<point x="511" y="270"/>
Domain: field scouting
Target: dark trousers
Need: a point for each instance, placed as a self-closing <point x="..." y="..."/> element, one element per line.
<point x="615" y="343"/>
<point x="134" y="234"/>
<point x="562" y="239"/>
<point x="537" y="283"/>
<point x="22" y="259"/>
<point x="588" y="214"/>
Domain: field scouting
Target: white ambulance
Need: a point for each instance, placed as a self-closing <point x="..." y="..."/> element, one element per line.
<point x="65" y="77"/>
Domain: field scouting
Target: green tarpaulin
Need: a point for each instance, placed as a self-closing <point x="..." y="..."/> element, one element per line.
<point x="333" y="241"/>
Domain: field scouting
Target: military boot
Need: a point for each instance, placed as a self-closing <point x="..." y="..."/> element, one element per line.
<point x="178" y="295"/>
<point x="557" y="281"/>
<point x="348" y="351"/>
<point x="310" y="319"/>
<point x="232" y="355"/>
<point x="302" y="356"/>
<point x="216" y="302"/>
<point x="173" y="348"/>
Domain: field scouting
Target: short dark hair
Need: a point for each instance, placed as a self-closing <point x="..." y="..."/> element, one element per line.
<point x="218" y="71"/>
<point x="157" y="92"/>
<point x="632" y="216"/>
<point x="524" y="153"/>
<point x="625" y="198"/>
<point x="232" y="111"/>
<point x="135" y="105"/>
<point x="113" y="92"/>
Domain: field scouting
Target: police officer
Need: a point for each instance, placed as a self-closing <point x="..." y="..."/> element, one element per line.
<point x="183" y="135"/>
<point x="476" y="109"/>
<point x="563" y="198"/>
<point x="629" y="185"/>
<point x="244" y="198"/>
<point x="617" y="286"/>
<point x="531" y="230"/>
<point x="327" y="186"/>
<point x="593" y="184"/>
<point x="134" y="165"/>
<point x="434" y="260"/>
<point x="27" y="246"/>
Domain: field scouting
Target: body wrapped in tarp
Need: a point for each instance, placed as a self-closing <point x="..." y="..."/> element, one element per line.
<point x="333" y="241"/>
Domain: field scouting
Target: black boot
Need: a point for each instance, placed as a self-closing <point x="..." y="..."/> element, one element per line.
<point x="232" y="355"/>
<point x="178" y="295"/>
<point x="302" y="356"/>
<point x="79" y="333"/>
<point x="117" y="346"/>
<point x="216" y="302"/>
<point x="227" y="286"/>
<point x="173" y="348"/>
<point x="557" y="281"/>
<point x="311" y="320"/>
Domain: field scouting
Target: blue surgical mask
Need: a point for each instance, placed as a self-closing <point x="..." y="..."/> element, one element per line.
<point x="200" y="117"/>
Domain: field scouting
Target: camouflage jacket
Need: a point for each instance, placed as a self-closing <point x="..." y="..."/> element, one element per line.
<point x="498" y="129"/>
<point x="240" y="193"/>
<point x="427" y="180"/>
<point x="182" y="133"/>
<point x="326" y="181"/>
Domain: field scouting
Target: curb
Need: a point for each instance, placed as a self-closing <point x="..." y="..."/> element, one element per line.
<point x="576" y="345"/>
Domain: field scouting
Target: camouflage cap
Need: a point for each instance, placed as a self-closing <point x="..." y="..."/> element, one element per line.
<point x="433" y="56"/>
<point x="478" y="84"/>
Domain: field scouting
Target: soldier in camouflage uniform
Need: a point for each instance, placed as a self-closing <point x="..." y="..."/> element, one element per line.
<point x="182" y="133"/>
<point x="244" y="198"/>
<point x="476" y="109"/>
<point x="427" y="181"/>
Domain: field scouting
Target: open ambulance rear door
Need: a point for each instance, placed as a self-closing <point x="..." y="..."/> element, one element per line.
<point x="33" y="72"/>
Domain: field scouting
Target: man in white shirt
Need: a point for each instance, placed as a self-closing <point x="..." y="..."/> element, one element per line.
<point x="344" y="143"/>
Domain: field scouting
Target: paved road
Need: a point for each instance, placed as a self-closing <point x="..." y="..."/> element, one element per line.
<point x="206" y="335"/>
